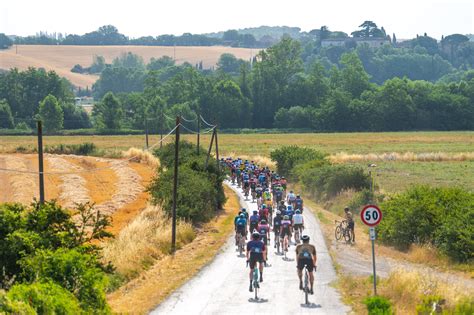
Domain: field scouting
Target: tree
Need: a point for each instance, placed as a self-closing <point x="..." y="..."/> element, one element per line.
<point x="231" y="36"/>
<point x="5" y="41"/>
<point x="354" y="78"/>
<point x="160" y="63"/>
<point x="368" y="29"/>
<point x="108" y="112"/>
<point x="228" y="63"/>
<point x="6" y="117"/>
<point x="51" y="114"/>
<point x="98" y="64"/>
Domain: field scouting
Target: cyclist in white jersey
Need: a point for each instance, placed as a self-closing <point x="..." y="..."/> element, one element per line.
<point x="298" y="223"/>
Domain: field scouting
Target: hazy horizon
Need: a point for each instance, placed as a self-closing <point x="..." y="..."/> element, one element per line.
<point x="404" y="18"/>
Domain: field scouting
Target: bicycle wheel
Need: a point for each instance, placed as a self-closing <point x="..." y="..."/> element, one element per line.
<point x="347" y="235"/>
<point x="306" y="286"/>
<point x="338" y="233"/>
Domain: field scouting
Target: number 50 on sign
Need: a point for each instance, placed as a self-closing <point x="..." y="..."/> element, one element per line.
<point x="371" y="215"/>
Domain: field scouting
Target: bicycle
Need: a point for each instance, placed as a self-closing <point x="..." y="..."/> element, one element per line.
<point x="240" y="243"/>
<point x="342" y="230"/>
<point x="277" y="242"/>
<point x="306" y="285"/>
<point x="255" y="282"/>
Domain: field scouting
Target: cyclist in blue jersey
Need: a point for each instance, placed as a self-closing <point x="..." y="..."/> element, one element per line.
<point x="253" y="221"/>
<point x="240" y="226"/>
<point x="290" y="212"/>
<point x="299" y="203"/>
<point x="256" y="252"/>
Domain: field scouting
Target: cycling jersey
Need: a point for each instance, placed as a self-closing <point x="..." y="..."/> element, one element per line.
<point x="290" y="213"/>
<point x="241" y="222"/>
<point x="259" y="191"/>
<point x="263" y="229"/>
<point x="291" y="197"/>
<point x="261" y="178"/>
<point x="263" y="213"/>
<point x="267" y="195"/>
<point x="298" y="219"/>
<point x="299" y="203"/>
<point x="278" y="195"/>
<point x="255" y="247"/>
<point x="277" y="223"/>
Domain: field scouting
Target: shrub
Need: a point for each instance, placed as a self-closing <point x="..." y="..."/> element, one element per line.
<point x="43" y="298"/>
<point x="8" y="306"/>
<point x="287" y="157"/>
<point x="440" y="216"/>
<point x="465" y="307"/>
<point x="76" y="272"/>
<point x="426" y="306"/>
<point x="327" y="181"/>
<point x="378" y="305"/>
<point x="200" y="189"/>
<point x="86" y="148"/>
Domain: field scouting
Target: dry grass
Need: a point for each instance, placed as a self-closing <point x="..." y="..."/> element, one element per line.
<point x="405" y="289"/>
<point x="141" y="156"/>
<point x="343" y="157"/>
<point x="62" y="58"/>
<point x="144" y="240"/>
<point x="169" y="273"/>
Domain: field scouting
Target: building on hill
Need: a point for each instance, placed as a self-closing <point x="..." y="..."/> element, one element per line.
<point x="373" y="42"/>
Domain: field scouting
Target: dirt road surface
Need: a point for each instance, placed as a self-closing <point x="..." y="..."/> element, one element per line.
<point x="222" y="287"/>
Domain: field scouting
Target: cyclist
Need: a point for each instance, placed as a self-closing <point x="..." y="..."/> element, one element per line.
<point x="244" y="211"/>
<point x="267" y="195"/>
<point x="259" y="191"/>
<point x="253" y="220"/>
<point x="240" y="227"/>
<point x="278" y="194"/>
<point x="276" y="225"/>
<point x="350" y="223"/>
<point x="290" y="199"/>
<point x="263" y="212"/>
<point x="256" y="252"/>
<point x="298" y="224"/>
<point x="246" y="180"/>
<point x="282" y="207"/>
<point x="306" y="256"/>
<point x="299" y="203"/>
<point x="253" y="186"/>
<point x="285" y="230"/>
<point x="264" y="230"/>
<point x="283" y="183"/>
<point x="290" y="212"/>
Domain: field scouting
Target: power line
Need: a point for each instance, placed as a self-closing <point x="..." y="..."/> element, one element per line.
<point x="210" y="125"/>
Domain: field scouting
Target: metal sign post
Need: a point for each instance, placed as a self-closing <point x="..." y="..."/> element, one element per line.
<point x="371" y="216"/>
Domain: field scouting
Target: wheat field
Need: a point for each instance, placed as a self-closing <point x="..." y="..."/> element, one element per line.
<point x="62" y="58"/>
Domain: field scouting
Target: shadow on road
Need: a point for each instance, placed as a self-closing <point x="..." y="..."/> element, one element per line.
<point x="252" y="300"/>
<point x="310" y="305"/>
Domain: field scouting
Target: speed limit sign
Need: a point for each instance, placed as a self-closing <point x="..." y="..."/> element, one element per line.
<point x="371" y="215"/>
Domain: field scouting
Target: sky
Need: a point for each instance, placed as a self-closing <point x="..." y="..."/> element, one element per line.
<point x="136" y="18"/>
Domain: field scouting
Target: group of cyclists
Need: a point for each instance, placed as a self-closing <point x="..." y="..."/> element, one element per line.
<point x="277" y="211"/>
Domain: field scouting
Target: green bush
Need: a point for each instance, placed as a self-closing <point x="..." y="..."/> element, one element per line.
<point x="76" y="272"/>
<point x="440" y="216"/>
<point x="200" y="189"/>
<point x="8" y="306"/>
<point x="86" y="148"/>
<point x="465" y="307"/>
<point x="288" y="157"/>
<point x="426" y="306"/>
<point x="44" y="298"/>
<point x="327" y="181"/>
<point x="378" y="305"/>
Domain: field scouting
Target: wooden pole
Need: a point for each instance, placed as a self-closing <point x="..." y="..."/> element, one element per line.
<point x="210" y="147"/>
<point x="146" y="132"/>
<point x="161" y="129"/>
<point x="40" y="162"/>
<point x="217" y="149"/>
<point x="175" y="186"/>
<point x="199" y="131"/>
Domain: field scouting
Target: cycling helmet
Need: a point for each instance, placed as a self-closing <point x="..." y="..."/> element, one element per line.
<point x="291" y="191"/>
<point x="242" y="215"/>
<point x="286" y="217"/>
<point x="255" y="211"/>
<point x="264" y="206"/>
<point x="263" y="221"/>
<point x="305" y="238"/>
<point x="278" y="212"/>
<point x="244" y="210"/>
<point x="255" y="235"/>
<point x="298" y="211"/>
<point x="346" y="209"/>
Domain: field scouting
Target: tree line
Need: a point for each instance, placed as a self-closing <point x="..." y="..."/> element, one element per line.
<point x="277" y="89"/>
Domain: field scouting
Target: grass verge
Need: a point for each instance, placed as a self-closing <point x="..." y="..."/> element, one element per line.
<point x="170" y="272"/>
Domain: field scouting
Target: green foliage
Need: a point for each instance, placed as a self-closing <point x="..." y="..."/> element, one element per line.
<point x="6" y="117"/>
<point x="8" y="306"/>
<point x="327" y="181"/>
<point x="76" y="272"/>
<point x="200" y="190"/>
<point x="86" y="148"/>
<point x="441" y="216"/>
<point x="108" y="113"/>
<point x="464" y="307"/>
<point x="287" y="157"/>
<point x="43" y="298"/>
<point x="426" y="306"/>
<point x="5" y="41"/>
<point x="51" y="114"/>
<point x="228" y="63"/>
<point x="378" y="305"/>
<point x="160" y="63"/>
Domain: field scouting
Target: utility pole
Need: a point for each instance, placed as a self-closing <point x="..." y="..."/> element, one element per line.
<point x="217" y="149"/>
<point x="161" y="129"/>
<point x="175" y="186"/>
<point x="199" y="130"/>
<point x="146" y="132"/>
<point x="210" y="147"/>
<point x="40" y="161"/>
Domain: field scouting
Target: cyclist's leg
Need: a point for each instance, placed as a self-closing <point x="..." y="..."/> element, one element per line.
<point x="299" y="271"/>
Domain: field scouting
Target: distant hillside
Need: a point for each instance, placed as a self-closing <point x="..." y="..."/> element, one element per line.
<point x="471" y="37"/>
<point x="258" y="32"/>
